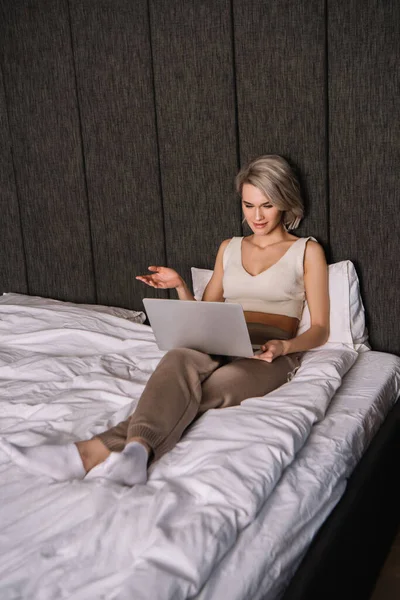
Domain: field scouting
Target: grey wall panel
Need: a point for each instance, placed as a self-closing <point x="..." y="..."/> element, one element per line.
<point x="364" y="155"/>
<point x="280" y="66"/>
<point x="161" y="76"/>
<point x="114" y="73"/>
<point x="42" y="108"/>
<point x="12" y="261"/>
<point x="193" y="69"/>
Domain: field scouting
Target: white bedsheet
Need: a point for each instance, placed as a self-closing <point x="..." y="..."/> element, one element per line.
<point x="67" y="373"/>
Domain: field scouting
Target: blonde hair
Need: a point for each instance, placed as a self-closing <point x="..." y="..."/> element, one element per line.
<point x="274" y="177"/>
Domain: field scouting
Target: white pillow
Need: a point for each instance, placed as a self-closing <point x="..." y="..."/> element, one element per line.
<point x="347" y="315"/>
<point x="136" y="316"/>
<point x="200" y="278"/>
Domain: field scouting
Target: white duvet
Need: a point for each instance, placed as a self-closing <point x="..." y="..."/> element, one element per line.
<point x="268" y="551"/>
<point x="67" y="373"/>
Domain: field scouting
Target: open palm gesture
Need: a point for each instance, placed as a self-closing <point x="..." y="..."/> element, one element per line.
<point x="163" y="277"/>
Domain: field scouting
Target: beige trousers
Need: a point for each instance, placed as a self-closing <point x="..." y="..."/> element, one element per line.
<point x="186" y="383"/>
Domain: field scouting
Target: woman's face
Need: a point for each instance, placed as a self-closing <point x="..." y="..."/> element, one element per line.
<point x="258" y="211"/>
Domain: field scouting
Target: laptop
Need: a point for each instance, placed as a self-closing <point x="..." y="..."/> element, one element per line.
<point x="211" y="327"/>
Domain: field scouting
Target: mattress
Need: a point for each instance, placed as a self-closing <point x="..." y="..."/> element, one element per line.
<point x="210" y="505"/>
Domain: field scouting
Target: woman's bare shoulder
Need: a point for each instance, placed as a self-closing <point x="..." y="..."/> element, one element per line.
<point x="221" y="250"/>
<point x="314" y="251"/>
<point x="224" y="243"/>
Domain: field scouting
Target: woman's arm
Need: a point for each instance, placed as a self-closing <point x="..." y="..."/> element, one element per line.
<point x="214" y="290"/>
<point x="317" y="294"/>
<point x="184" y="292"/>
<point x="165" y="277"/>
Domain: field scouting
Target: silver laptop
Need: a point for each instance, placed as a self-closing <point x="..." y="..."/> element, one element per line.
<point x="211" y="327"/>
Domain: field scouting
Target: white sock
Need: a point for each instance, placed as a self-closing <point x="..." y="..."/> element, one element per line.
<point x="126" y="468"/>
<point x="61" y="462"/>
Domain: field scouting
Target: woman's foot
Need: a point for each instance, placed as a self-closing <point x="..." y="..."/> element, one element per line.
<point x="89" y="459"/>
<point x="128" y="467"/>
<point x="60" y="462"/>
<point x="92" y="453"/>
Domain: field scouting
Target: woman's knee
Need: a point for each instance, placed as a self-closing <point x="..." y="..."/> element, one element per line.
<point x="178" y="353"/>
<point x="175" y="358"/>
<point x="181" y="356"/>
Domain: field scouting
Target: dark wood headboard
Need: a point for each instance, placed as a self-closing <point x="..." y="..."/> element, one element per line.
<point x="124" y="123"/>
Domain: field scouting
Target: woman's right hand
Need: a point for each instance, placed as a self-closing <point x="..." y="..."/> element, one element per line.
<point x="163" y="277"/>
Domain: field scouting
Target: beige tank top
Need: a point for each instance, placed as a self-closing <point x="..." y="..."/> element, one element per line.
<point x="276" y="290"/>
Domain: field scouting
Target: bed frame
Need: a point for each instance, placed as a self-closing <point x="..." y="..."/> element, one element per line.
<point x="123" y="125"/>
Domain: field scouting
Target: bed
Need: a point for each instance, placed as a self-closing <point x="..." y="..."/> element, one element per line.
<point x="232" y="510"/>
<point x="124" y="123"/>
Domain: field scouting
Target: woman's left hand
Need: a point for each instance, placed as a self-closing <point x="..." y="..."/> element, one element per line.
<point x="271" y="350"/>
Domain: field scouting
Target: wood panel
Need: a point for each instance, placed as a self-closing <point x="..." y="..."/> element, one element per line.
<point x="280" y="73"/>
<point x="364" y="85"/>
<point x="194" y="86"/>
<point x="12" y="260"/>
<point x="114" y="73"/>
<point x="44" y="124"/>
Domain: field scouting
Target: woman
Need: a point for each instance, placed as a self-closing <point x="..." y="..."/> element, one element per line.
<point x="269" y="272"/>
